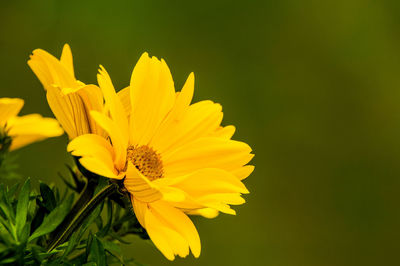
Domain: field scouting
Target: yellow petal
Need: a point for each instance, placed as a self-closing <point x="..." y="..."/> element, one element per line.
<point x="161" y="235"/>
<point x="205" y="212"/>
<point x="225" y="132"/>
<point x="178" y="111"/>
<point x="116" y="136"/>
<point x="124" y="97"/>
<point x="139" y="186"/>
<point x="9" y="107"/>
<point x="70" y="100"/>
<point x="31" y="128"/>
<point x="243" y="172"/>
<point x="172" y="194"/>
<point x="167" y="240"/>
<point x="200" y="120"/>
<point x="62" y="110"/>
<point x="140" y="209"/>
<point x="210" y="181"/>
<point x="206" y="153"/>
<point x="66" y="59"/>
<point x="97" y="166"/>
<point x="179" y="222"/>
<point x="92" y="99"/>
<point x="152" y="97"/>
<point x="51" y="71"/>
<point x="117" y="111"/>
<point x="97" y="155"/>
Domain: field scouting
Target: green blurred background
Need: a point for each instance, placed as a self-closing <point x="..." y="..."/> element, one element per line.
<point x="312" y="86"/>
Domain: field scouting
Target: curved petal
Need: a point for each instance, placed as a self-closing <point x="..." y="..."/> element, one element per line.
<point x="91" y="99"/>
<point x="9" y="107"/>
<point x="117" y="139"/>
<point x="179" y="222"/>
<point x="200" y="120"/>
<point x="210" y="187"/>
<point x="206" y="153"/>
<point x="210" y="181"/>
<point x="243" y="172"/>
<point x="70" y="100"/>
<point x="208" y="213"/>
<point x="139" y="186"/>
<point x="225" y="132"/>
<point x="152" y="97"/>
<point x="124" y="97"/>
<point x="168" y="241"/>
<point x="31" y="128"/>
<point x="171" y="231"/>
<point x="97" y="155"/>
<point x="62" y="110"/>
<point x="51" y="71"/>
<point x="112" y="101"/>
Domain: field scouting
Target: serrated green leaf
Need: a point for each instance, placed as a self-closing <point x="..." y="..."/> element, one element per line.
<point x="51" y="221"/>
<point x="97" y="252"/>
<point x="49" y="200"/>
<point x="5" y="206"/>
<point x="22" y="206"/>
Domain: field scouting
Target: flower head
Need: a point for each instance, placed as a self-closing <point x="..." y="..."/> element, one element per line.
<point x="173" y="157"/>
<point x="70" y="100"/>
<point x="23" y="130"/>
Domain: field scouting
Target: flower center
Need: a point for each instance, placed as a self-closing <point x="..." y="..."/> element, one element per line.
<point x="146" y="160"/>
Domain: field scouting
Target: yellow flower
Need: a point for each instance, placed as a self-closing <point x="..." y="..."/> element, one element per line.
<point x="24" y="130"/>
<point x="70" y="100"/>
<point x="174" y="158"/>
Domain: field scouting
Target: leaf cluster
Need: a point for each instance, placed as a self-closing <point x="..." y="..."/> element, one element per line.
<point x="29" y="221"/>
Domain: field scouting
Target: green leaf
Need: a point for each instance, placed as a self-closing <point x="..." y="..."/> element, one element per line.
<point x="22" y="206"/>
<point x="107" y="227"/>
<point x="111" y="246"/>
<point x="51" y="221"/>
<point x="49" y="200"/>
<point x="5" y="205"/>
<point x="24" y="233"/>
<point x="73" y="240"/>
<point x="10" y="228"/>
<point x="11" y="191"/>
<point x="89" y="220"/>
<point x="90" y="264"/>
<point x="97" y="252"/>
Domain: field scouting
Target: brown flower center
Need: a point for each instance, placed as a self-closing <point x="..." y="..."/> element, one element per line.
<point x="146" y="160"/>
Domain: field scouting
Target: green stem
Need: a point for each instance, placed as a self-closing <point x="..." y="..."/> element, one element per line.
<point x="84" y="198"/>
<point x="81" y="216"/>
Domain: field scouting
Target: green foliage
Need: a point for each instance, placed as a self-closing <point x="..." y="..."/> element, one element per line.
<point x="29" y="222"/>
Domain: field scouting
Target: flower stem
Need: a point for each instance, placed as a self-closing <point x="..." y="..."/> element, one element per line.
<point x="83" y="213"/>
<point x="84" y="198"/>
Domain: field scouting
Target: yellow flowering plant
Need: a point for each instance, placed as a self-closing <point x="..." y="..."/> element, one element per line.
<point x="147" y="152"/>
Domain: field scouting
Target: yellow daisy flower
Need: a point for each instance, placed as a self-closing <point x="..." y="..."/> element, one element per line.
<point x="24" y="130"/>
<point x="70" y="100"/>
<point x="173" y="157"/>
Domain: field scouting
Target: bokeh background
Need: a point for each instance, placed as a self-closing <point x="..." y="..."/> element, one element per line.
<point x="312" y="86"/>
